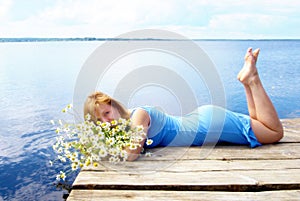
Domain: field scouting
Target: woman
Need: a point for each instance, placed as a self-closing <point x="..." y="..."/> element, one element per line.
<point x="262" y="126"/>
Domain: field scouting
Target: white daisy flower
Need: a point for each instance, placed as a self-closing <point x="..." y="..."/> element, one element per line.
<point x="102" y="153"/>
<point x="148" y="154"/>
<point x="149" y="142"/>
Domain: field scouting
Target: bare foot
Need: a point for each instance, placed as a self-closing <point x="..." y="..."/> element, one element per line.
<point x="249" y="72"/>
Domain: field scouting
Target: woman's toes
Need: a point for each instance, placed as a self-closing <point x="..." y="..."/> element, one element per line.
<point x="248" y="53"/>
<point x="255" y="53"/>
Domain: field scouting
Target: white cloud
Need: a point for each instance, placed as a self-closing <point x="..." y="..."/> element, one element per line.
<point x="202" y="18"/>
<point x="245" y="22"/>
<point x="5" y="6"/>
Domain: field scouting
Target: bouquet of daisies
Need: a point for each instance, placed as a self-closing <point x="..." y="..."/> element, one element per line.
<point x="87" y="143"/>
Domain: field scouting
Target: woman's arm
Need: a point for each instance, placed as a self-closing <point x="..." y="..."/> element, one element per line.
<point x="139" y="117"/>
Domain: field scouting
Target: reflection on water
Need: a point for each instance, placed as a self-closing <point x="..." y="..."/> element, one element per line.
<point x="37" y="80"/>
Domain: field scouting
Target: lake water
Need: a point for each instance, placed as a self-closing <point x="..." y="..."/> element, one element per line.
<point x="37" y="80"/>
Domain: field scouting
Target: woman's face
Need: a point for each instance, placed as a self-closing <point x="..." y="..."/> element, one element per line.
<point x="107" y="113"/>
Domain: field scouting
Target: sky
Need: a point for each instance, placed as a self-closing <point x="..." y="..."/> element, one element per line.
<point x="197" y="19"/>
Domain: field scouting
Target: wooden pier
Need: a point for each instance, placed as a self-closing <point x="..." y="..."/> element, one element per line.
<point x="224" y="172"/>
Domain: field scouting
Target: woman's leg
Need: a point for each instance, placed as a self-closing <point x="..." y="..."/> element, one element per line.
<point x="250" y="102"/>
<point x="264" y="119"/>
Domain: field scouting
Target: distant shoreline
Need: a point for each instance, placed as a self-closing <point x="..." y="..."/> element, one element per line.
<point x="29" y="39"/>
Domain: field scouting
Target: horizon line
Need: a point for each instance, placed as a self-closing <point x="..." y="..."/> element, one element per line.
<point x="45" y="39"/>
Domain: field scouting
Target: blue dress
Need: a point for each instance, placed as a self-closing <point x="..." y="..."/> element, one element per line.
<point x="206" y="124"/>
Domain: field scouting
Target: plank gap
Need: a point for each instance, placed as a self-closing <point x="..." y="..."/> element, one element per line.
<point x="259" y="187"/>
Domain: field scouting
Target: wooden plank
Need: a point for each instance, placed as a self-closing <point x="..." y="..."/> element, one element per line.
<point x="120" y="195"/>
<point x="161" y="181"/>
<point x="187" y="173"/>
<point x="282" y="151"/>
<point x="291" y="123"/>
<point x="274" y="177"/>
<point x="233" y="152"/>
<point x="247" y="180"/>
<point x="197" y="166"/>
<point x="291" y="130"/>
<point x="290" y="136"/>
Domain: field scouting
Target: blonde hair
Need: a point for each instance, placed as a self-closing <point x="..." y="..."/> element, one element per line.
<point x="97" y="98"/>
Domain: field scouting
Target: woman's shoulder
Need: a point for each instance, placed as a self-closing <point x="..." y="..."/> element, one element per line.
<point x="139" y="108"/>
<point x="151" y="110"/>
<point x="140" y="116"/>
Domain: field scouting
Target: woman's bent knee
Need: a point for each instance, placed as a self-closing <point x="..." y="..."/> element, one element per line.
<point x="264" y="134"/>
<point x="279" y="133"/>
